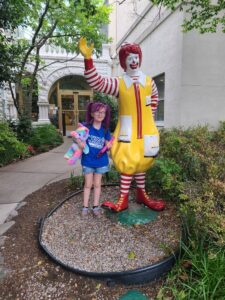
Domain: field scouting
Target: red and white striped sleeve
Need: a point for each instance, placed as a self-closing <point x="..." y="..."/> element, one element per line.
<point x="154" y="98"/>
<point x="107" y="85"/>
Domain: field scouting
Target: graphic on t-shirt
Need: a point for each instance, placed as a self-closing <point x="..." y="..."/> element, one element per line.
<point x="96" y="142"/>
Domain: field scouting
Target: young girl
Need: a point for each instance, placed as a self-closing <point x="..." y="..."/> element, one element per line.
<point x="97" y="120"/>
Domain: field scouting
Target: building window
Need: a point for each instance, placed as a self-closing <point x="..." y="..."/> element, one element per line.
<point x="160" y="83"/>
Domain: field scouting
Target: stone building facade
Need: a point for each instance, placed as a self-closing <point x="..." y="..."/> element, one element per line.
<point x="189" y="68"/>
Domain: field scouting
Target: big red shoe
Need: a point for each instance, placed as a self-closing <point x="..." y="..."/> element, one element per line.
<point x="142" y="197"/>
<point x="120" y="205"/>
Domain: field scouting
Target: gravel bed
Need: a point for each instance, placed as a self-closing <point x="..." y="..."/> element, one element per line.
<point x="105" y="245"/>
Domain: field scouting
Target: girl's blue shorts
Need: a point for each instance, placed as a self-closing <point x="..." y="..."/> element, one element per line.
<point x="101" y="170"/>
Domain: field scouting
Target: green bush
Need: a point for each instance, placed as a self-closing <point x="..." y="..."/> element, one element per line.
<point x="190" y="169"/>
<point x="22" y="127"/>
<point x="10" y="147"/>
<point x="113" y="104"/>
<point x="198" y="184"/>
<point x="44" y="137"/>
<point x="165" y="178"/>
<point x="39" y="139"/>
<point x="186" y="147"/>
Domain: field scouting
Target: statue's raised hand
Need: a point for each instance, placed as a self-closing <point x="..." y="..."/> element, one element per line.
<point x="84" y="49"/>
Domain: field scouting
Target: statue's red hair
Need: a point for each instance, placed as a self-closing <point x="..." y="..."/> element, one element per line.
<point x="125" y="50"/>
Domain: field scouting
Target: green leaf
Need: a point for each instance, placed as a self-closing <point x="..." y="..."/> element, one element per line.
<point x="131" y="255"/>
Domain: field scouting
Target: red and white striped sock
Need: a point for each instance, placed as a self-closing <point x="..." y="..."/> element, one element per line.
<point x="140" y="180"/>
<point x="125" y="181"/>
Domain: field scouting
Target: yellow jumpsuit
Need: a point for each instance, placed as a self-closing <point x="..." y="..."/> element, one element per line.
<point x="136" y="136"/>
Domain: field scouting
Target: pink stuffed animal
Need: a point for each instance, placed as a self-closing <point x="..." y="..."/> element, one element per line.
<point x="74" y="152"/>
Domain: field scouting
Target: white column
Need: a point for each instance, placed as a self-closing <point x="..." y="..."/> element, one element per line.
<point x="12" y="110"/>
<point x="105" y="51"/>
<point x="43" y="105"/>
<point x="43" y="113"/>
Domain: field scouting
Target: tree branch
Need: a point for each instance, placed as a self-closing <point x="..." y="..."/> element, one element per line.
<point x="46" y="37"/>
<point x="121" y="2"/>
<point x="33" y="40"/>
<point x="40" y="22"/>
<point x="13" y="97"/>
<point x="63" y="35"/>
<point x="57" y="61"/>
<point x="33" y="77"/>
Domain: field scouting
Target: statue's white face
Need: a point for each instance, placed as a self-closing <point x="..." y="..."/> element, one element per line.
<point x="132" y="63"/>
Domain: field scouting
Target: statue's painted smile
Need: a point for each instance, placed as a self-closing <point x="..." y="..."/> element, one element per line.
<point x="134" y="66"/>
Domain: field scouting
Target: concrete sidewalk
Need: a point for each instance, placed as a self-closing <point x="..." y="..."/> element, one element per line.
<point x="20" y="179"/>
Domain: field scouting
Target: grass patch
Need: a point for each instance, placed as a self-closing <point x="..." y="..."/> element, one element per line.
<point x="199" y="274"/>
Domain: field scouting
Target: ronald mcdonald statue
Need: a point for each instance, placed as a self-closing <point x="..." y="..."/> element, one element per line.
<point x="136" y="141"/>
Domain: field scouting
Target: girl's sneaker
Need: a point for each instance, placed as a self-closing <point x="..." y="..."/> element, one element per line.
<point x="85" y="212"/>
<point x="97" y="211"/>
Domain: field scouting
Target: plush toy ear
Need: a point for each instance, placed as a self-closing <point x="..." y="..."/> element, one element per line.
<point x="80" y="125"/>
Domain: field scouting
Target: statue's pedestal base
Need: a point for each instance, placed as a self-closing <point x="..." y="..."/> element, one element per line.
<point x="133" y="246"/>
<point x="136" y="214"/>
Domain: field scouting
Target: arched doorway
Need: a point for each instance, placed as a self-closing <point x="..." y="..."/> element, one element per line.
<point x="69" y="97"/>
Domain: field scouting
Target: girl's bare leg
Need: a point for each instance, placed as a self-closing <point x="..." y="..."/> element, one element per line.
<point x="97" y="188"/>
<point x="87" y="188"/>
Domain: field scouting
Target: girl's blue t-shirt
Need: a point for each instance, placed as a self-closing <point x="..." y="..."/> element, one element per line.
<point x="96" y="141"/>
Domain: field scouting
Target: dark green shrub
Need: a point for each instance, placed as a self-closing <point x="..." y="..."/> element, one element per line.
<point x="113" y="104"/>
<point x="199" y="185"/>
<point x="23" y="128"/>
<point x="165" y="178"/>
<point x="44" y="137"/>
<point x="191" y="167"/>
<point x="219" y="135"/>
<point x="10" y="147"/>
<point x="185" y="148"/>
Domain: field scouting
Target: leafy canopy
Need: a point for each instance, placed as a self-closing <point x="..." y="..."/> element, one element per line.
<point x="63" y="22"/>
<point x="12" y="14"/>
<point x="202" y="15"/>
<point x="55" y="22"/>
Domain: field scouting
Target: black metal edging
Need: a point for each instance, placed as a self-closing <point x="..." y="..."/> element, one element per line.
<point x="137" y="276"/>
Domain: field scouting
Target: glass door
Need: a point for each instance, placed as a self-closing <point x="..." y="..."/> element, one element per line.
<point x="68" y="104"/>
<point x="82" y="103"/>
<point x="72" y="105"/>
